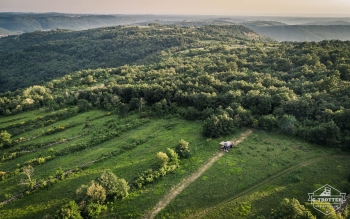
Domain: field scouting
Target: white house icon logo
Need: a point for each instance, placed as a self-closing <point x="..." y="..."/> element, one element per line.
<point x="327" y="199"/>
<point x="326" y="192"/>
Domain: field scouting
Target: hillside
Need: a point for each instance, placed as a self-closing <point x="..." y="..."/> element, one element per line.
<point x="30" y="22"/>
<point x="37" y="57"/>
<point x="94" y="142"/>
<point x="304" y="33"/>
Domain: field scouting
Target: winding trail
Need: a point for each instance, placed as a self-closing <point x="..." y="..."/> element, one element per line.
<point x="187" y="181"/>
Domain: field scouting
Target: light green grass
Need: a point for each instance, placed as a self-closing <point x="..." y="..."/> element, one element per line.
<point x="261" y="157"/>
<point x="219" y="192"/>
<point x="25" y="116"/>
<point x="161" y="133"/>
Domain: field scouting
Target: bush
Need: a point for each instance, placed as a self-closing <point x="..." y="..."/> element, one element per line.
<point x="96" y="193"/>
<point x="5" y="139"/>
<point x="93" y="210"/>
<point x="287" y="124"/>
<point x="69" y="211"/>
<point x="115" y="187"/>
<point x="83" y="105"/>
<point x="182" y="148"/>
<point x="268" y="122"/>
<point x="326" y="133"/>
<point x="162" y="159"/>
<point x="173" y="156"/>
<point x="216" y="126"/>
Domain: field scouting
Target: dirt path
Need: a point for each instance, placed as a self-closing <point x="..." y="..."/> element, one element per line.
<point x="187" y="181"/>
<point x="252" y="188"/>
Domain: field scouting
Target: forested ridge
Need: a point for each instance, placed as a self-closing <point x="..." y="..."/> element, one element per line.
<point x="227" y="76"/>
<point x="33" y="58"/>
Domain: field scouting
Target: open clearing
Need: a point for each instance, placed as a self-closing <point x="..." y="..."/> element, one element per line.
<point x="180" y="187"/>
<point x="265" y="168"/>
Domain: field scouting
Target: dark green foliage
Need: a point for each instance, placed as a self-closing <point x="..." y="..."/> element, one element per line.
<point x="291" y="209"/>
<point x="288" y="125"/>
<point x="49" y="55"/>
<point x="183" y="149"/>
<point x="218" y="125"/>
<point x="83" y="105"/>
<point x="93" y="210"/>
<point x="325" y="133"/>
<point x="69" y="211"/>
<point x="268" y="122"/>
<point x="115" y="187"/>
<point x="5" y="139"/>
<point x="295" y="88"/>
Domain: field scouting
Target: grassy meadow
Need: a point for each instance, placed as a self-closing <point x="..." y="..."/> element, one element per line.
<point x="259" y="172"/>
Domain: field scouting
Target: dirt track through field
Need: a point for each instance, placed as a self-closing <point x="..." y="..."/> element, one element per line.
<point x="252" y="188"/>
<point x="187" y="181"/>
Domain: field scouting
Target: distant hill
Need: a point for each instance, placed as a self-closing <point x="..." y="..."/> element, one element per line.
<point x="303" y="33"/>
<point x="189" y="23"/>
<point x="27" y="22"/>
<point x="328" y="23"/>
<point x="263" y="23"/>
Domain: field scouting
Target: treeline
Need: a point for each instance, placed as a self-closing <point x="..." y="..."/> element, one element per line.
<point x="299" y="89"/>
<point x="34" y="58"/>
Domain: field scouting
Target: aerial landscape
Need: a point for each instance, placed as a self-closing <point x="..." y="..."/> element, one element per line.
<point x="185" y="109"/>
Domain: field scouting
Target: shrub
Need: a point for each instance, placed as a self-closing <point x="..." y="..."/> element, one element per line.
<point x="182" y="148"/>
<point x="93" y="210"/>
<point x="173" y="156"/>
<point x="216" y="126"/>
<point x="69" y="211"/>
<point x="326" y="133"/>
<point x="162" y="159"/>
<point x="268" y="122"/>
<point x="287" y="124"/>
<point x="96" y="193"/>
<point x="115" y="187"/>
<point x="5" y="138"/>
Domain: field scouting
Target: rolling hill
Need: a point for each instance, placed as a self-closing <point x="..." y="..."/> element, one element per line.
<point x="34" y="58"/>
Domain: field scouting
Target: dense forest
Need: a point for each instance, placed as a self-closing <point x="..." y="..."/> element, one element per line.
<point x="302" y="33"/>
<point x="36" y="57"/>
<point x="225" y="75"/>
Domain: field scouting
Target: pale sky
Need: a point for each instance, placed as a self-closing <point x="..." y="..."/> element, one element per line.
<point x="334" y="8"/>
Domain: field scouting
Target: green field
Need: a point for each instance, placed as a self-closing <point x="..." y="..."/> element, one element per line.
<point x="259" y="172"/>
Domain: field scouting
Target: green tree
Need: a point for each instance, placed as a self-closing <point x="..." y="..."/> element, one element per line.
<point x="5" y="139"/>
<point x="93" y="210"/>
<point x="162" y="159"/>
<point x="70" y="211"/>
<point x="287" y="124"/>
<point x="29" y="172"/>
<point x="83" y="105"/>
<point x="216" y="126"/>
<point x="96" y="193"/>
<point x="182" y="148"/>
<point x="291" y="209"/>
<point x="115" y="187"/>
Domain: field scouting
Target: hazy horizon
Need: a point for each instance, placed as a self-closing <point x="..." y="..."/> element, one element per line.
<point x="268" y="8"/>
